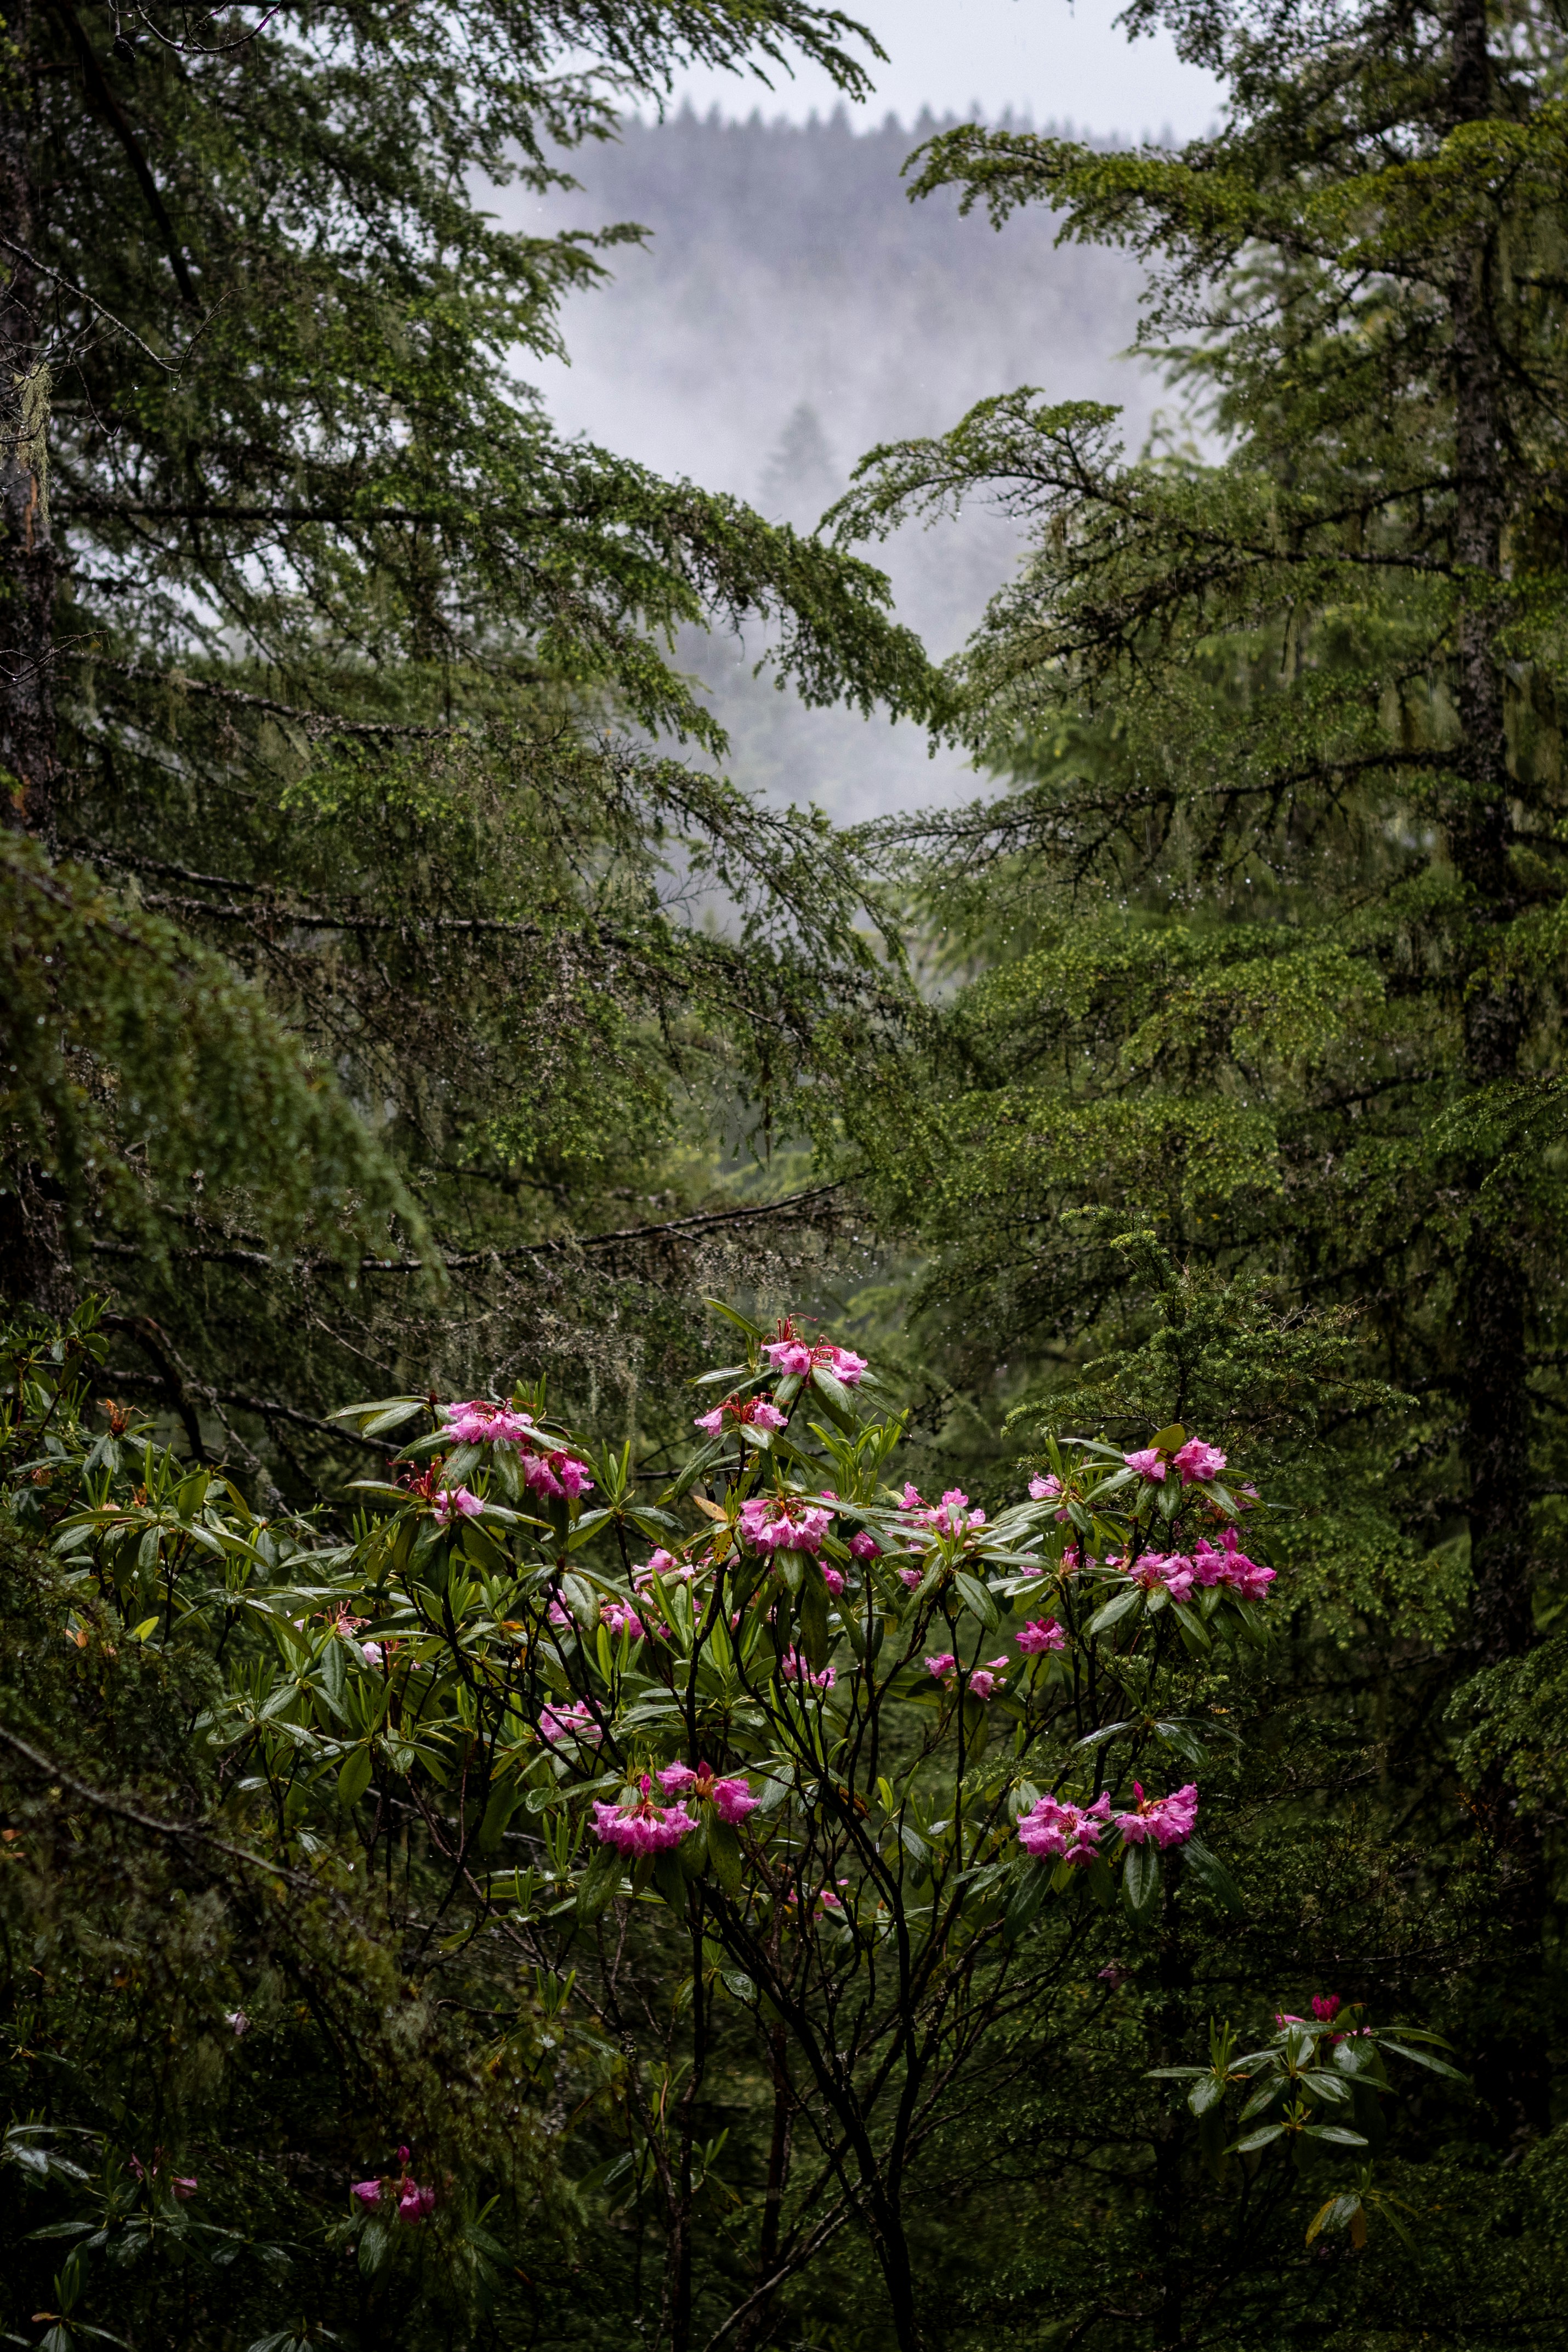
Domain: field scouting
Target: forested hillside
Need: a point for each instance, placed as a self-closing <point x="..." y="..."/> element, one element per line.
<point x="780" y="1576"/>
<point x="786" y="271"/>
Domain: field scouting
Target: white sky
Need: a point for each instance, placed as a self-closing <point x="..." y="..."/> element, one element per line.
<point x="1048" y="58"/>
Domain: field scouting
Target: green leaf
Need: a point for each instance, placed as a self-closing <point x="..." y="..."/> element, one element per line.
<point x="1337" y="2133"/>
<point x="599" y="1883"/>
<point x="1114" y="1610"/>
<point x="1263" y="2138"/>
<point x="976" y="1599"/>
<point x="1423" y="2058"/>
<point x="353" y="1775"/>
<point x="1213" y="1876"/>
<point x="725" y="1853"/>
<point x="1140" y="1879"/>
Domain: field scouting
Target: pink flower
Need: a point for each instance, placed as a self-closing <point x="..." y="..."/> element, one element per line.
<point x="942" y="1663"/>
<point x="948" y="1518"/>
<point x="620" y="1617"/>
<point x="414" y="2202"/>
<point x="367" y="2192"/>
<point x="731" y="1799"/>
<point x="1168" y="1821"/>
<point x="834" y="1580"/>
<point x="789" y="1353"/>
<point x="455" y="1502"/>
<point x="575" y="1722"/>
<point x="863" y="1545"/>
<point x="1045" y="1490"/>
<point x="643" y="1826"/>
<point x="371" y="1651"/>
<point x="1061" y="1831"/>
<point x="480" y="1423"/>
<point x="555" y="1474"/>
<point x="661" y="1564"/>
<point x="1040" y="1633"/>
<point x="237" y="2021"/>
<point x="738" y="1413"/>
<point x="911" y="1576"/>
<point x="1198" y="1461"/>
<point x="783" y="1523"/>
<point x="558" y="1614"/>
<point x="1229" y="1565"/>
<point x="1326" y="2007"/>
<point x="1148" y="1464"/>
<point x="984" y="1680"/>
<point x="1173" y="1570"/>
<point x="794" y="1668"/>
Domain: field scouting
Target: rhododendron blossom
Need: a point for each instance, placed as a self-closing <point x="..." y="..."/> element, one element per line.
<point x="783" y="1523"/>
<point x="1229" y="1565"/>
<point x="1173" y="1570"/>
<point x="641" y="1825"/>
<point x="480" y="1423"/>
<point x="620" y="1617"/>
<point x="1167" y="1821"/>
<point x="863" y="1545"/>
<point x="455" y="1502"/>
<point x="1148" y="1464"/>
<point x="1040" y="1633"/>
<point x="1196" y="1461"/>
<point x="834" y="1580"/>
<point x="981" y="1680"/>
<point x="556" y="1474"/>
<point x="1057" y="1831"/>
<point x="790" y="1354"/>
<point x="794" y="1668"/>
<point x="942" y="1663"/>
<point x="731" y="1799"/>
<point x="575" y="1722"/>
<point x="1046" y="1489"/>
<point x="742" y="1412"/>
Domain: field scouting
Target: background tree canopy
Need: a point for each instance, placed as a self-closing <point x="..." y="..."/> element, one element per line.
<point x="404" y="996"/>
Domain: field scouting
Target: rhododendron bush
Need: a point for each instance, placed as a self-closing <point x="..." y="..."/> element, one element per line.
<point x="776" y="1754"/>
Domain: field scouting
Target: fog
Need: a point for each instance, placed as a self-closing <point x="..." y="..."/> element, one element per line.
<point x="790" y="308"/>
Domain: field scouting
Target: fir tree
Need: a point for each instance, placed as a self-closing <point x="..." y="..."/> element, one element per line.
<point x="327" y="658"/>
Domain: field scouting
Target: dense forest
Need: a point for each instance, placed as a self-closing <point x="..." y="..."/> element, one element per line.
<point x="780" y="1567"/>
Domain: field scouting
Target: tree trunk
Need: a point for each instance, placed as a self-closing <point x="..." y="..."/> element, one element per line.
<point x="27" y="744"/>
<point x="35" y="1256"/>
<point x="1493" y="1295"/>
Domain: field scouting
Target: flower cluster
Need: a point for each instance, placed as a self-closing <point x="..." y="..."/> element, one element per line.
<point x="731" y="1799"/>
<point x="1194" y="1461"/>
<point x="1058" y="1831"/>
<point x="1040" y="1633"/>
<point x="1165" y="1821"/>
<point x="575" y="1722"/>
<point x="742" y="1412"/>
<point x="413" y="2202"/>
<point x="451" y="1503"/>
<point x="620" y="1617"/>
<point x="547" y="1469"/>
<point x="477" y="1421"/>
<point x="1229" y="1565"/>
<point x="794" y="1668"/>
<point x="983" y="1680"/>
<point x="789" y="1353"/>
<point x="785" y="1523"/>
<point x="639" y="1825"/>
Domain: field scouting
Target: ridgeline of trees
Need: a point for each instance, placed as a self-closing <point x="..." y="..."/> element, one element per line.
<point x="1040" y="1820"/>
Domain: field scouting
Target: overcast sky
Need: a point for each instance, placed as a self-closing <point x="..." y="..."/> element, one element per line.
<point x="1045" y="58"/>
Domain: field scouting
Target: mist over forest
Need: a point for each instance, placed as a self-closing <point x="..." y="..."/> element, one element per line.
<point x="790" y="308"/>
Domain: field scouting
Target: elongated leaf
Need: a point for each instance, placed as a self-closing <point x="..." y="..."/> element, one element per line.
<point x="1115" y="1610"/>
<point x="976" y="1599"/>
<point x="1263" y="2138"/>
<point x="1213" y="1878"/>
<point x="1140" y="1879"/>
<point x="353" y="1775"/>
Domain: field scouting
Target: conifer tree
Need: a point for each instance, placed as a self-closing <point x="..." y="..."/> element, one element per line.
<point x="351" y="820"/>
<point x="1274" y="898"/>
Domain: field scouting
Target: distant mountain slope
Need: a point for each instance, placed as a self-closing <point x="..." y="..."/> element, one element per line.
<point x="792" y="308"/>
